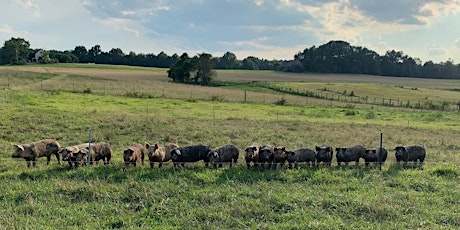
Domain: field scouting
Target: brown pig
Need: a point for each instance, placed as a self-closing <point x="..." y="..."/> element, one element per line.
<point x="99" y="151"/>
<point x="279" y="156"/>
<point x="133" y="154"/>
<point x="159" y="154"/>
<point x="67" y="153"/>
<point x="251" y="154"/>
<point x="43" y="148"/>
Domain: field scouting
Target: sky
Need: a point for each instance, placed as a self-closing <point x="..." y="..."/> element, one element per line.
<point x="268" y="29"/>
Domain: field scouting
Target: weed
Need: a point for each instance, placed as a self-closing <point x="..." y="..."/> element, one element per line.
<point x="281" y="101"/>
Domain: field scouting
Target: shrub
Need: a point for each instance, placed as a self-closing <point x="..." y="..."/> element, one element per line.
<point x="370" y="114"/>
<point x="350" y="112"/>
<point x="87" y="90"/>
<point x="281" y="101"/>
<point x="218" y="98"/>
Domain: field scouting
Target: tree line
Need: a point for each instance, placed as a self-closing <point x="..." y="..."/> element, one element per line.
<point x="332" y="57"/>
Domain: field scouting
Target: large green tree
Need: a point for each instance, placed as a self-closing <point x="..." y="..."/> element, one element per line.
<point x="81" y="53"/>
<point x="15" y="51"/>
<point x="181" y="70"/>
<point x="228" y="61"/>
<point x="196" y="70"/>
<point x="204" y="65"/>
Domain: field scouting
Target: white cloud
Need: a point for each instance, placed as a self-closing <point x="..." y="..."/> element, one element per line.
<point x="340" y="20"/>
<point x="6" y="32"/>
<point x="30" y="5"/>
<point x="128" y="12"/>
<point x="457" y="42"/>
<point x="119" y="25"/>
<point x="435" y="50"/>
<point x="259" y="2"/>
<point x="431" y="10"/>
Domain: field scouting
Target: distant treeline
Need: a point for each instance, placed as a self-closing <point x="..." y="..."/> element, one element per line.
<point x="333" y="57"/>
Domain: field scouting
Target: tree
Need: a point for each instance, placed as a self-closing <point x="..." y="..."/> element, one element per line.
<point x="196" y="70"/>
<point x="63" y="57"/>
<point x="227" y="61"/>
<point x="181" y="70"/>
<point x="93" y="53"/>
<point x="15" y="51"/>
<point x="117" y="57"/>
<point x="204" y="65"/>
<point x="81" y="53"/>
<point x="250" y="63"/>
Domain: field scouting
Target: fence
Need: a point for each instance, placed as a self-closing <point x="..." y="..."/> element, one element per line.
<point x="350" y="98"/>
<point x="150" y="89"/>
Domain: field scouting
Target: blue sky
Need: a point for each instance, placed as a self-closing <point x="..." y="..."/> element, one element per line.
<point x="270" y="29"/>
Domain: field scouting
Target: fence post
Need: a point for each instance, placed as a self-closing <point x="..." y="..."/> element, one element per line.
<point x="379" y="158"/>
<point x="213" y="113"/>
<point x="89" y="148"/>
<point x="245" y="96"/>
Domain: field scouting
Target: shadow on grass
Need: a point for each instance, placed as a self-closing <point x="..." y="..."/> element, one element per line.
<point x="197" y="173"/>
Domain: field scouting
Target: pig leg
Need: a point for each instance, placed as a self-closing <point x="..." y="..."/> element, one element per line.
<point x="160" y="164"/>
<point x="48" y="159"/>
<point x="58" y="158"/>
<point x="28" y="162"/>
<point x="152" y="164"/>
<point x="107" y="160"/>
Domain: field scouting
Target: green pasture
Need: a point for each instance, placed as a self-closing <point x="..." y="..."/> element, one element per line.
<point x="66" y="105"/>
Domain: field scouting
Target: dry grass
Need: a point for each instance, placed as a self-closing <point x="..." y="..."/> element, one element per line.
<point x="153" y="82"/>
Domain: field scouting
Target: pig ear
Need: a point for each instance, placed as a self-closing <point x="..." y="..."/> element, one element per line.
<point x="284" y="148"/>
<point x="317" y="148"/>
<point x="254" y="148"/>
<point x="156" y="146"/>
<point x="147" y="145"/>
<point x="328" y="148"/>
<point x="19" y="147"/>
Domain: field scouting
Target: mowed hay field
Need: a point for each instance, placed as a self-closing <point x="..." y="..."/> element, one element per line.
<point x="124" y="105"/>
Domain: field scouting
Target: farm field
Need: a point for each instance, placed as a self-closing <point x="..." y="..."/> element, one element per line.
<point x="124" y="105"/>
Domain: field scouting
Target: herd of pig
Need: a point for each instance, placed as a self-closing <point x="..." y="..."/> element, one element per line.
<point x="255" y="154"/>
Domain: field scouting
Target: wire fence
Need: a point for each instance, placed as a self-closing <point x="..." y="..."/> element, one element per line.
<point x="120" y="162"/>
<point x="421" y="104"/>
<point x="149" y="89"/>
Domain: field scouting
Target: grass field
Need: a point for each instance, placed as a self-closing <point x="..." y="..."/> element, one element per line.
<point x="123" y="105"/>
